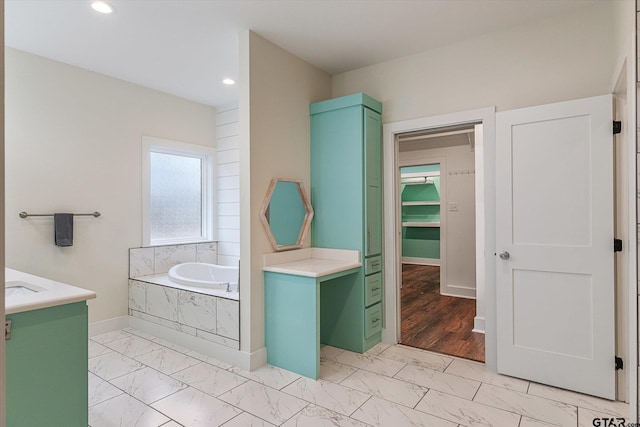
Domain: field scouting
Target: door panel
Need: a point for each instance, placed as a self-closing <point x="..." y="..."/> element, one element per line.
<point x="555" y="292"/>
<point x="373" y="193"/>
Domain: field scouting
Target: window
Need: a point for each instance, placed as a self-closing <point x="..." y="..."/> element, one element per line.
<point x="177" y="189"/>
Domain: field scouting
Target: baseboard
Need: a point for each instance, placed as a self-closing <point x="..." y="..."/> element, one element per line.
<point x="421" y="261"/>
<point x="109" y="325"/>
<point x="458" y="291"/>
<point x="241" y="359"/>
<point x="478" y="324"/>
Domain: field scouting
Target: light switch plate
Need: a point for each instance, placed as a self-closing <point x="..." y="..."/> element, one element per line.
<point x="453" y="207"/>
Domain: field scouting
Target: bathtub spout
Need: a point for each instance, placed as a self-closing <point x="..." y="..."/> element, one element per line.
<point x="228" y="286"/>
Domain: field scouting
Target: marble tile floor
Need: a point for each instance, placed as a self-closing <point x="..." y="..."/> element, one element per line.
<point x="137" y="380"/>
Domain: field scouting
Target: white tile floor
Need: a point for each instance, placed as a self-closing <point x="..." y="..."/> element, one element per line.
<point x="137" y="380"/>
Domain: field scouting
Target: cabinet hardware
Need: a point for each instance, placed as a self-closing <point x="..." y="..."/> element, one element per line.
<point x="7" y="329"/>
<point x="375" y="320"/>
<point x="375" y="289"/>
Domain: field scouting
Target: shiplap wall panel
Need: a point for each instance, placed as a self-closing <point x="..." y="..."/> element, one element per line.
<point x="228" y="191"/>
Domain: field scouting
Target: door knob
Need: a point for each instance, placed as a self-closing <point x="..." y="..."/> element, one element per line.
<point x="504" y="255"/>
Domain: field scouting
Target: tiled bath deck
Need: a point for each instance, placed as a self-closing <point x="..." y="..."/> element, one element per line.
<point x="136" y="380"/>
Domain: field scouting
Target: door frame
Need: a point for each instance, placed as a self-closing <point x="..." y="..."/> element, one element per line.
<point x="485" y="220"/>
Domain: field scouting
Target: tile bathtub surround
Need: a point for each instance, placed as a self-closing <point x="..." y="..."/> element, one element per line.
<point x="136" y="380"/>
<point x="159" y="259"/>
<point x="209" y="317"/>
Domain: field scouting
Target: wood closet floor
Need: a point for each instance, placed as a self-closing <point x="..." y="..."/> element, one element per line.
<point x="436" y="322"/>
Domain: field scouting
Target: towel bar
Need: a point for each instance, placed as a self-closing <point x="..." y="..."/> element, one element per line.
<point x="25" y="215"/>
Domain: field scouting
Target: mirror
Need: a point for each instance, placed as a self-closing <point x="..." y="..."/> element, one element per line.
<point x="286" y="214"/>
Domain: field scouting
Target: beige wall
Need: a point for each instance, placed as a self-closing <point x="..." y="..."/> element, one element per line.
<point x="276" y="89"/>
<point x="73" y="145"/>
<point x="624" y="24"/>
<point x="562" y="58"/>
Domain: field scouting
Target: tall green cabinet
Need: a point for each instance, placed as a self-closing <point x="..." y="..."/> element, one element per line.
<point x="346" y="193"/>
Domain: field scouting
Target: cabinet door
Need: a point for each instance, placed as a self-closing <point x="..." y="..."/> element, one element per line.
<point x="373" y="181"/>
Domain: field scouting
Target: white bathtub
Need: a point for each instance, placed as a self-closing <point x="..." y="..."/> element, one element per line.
<point x="187" y="278"/>
<point x="203" y="275"/>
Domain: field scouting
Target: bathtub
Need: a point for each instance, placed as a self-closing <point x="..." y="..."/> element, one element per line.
<point x="202" y="278"/>
<point x="203" y="275"/>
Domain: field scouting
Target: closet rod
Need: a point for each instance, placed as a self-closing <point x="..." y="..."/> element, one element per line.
<point x="435" y="135"/>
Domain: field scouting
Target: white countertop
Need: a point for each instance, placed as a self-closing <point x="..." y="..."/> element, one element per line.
<point x="50" y="293"/>
<point x="312" y="262"/>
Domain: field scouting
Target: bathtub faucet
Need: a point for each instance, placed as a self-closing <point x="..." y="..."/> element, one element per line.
<point x="228" y="286"/>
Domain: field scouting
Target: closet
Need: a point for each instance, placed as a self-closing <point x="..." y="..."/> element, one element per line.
<point x="420" y="196"/>
<point x="436" y="179"/>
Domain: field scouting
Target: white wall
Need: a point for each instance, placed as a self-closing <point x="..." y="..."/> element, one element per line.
<point x="276" y="89"/>
<point x="228" y="170"/>
<point x="73" y="144"/>
<point x="460" y="255"/>
<point x="566" y="57"/>
<point x="2" y="232"/>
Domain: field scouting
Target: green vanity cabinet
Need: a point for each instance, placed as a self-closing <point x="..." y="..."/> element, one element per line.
<point x="346" y="193"/>
<point x="47" y="362"/>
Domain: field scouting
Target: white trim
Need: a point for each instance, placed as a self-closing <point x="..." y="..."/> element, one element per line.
<point x="208" y="157"/>
<point x="241" y="359"/>
<point x="629" y="61"/>
<point x="478" y="325"/>
<point x="486" y="233"/>
<point x="459" y="291"/>
<point x="109" y="325"/>
<point x="420" y="261"/>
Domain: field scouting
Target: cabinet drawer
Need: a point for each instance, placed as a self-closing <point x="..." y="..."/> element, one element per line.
<point x="372" y="289"/>
<point x="373" y="320"/>
<point x="372" y="265"/>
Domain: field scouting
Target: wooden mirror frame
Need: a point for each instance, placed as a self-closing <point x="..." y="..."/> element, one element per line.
<point x="306" y="223"/>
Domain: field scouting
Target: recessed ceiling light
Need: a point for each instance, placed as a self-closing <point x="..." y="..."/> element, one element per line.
<point x="229" y="82"/>
<point x="102" y="7"/>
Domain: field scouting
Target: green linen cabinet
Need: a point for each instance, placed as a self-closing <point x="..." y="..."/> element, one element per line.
<point x="346" y="193"/>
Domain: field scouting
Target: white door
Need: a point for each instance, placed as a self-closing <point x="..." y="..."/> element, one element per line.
<point x="554" y="242"/>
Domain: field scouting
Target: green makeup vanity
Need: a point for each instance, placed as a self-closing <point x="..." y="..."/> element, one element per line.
<point x="340" y="305"/>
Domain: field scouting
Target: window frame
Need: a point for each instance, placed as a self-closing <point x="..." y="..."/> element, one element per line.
<point x="206" y="154"/>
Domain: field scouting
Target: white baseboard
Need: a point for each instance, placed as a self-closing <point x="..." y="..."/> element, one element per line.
<point x="458" y="291"/>
<point x="421" y="261"/>
<point x="478" y="324"/>
<point x="241" y="359"/>
<point x="109" y="325"/>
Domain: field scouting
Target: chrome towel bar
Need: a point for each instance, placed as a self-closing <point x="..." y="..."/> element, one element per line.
<point x="25" y="215"/>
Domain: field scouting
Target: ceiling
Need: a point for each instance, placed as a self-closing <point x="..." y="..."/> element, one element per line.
<point x="186" y="47"/>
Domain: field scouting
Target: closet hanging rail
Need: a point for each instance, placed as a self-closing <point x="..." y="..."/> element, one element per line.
<point x="25" y="215"/>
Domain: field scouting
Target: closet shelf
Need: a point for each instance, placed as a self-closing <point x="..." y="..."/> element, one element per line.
<point x="420" y="224"/>
<point x="422" y="203"/>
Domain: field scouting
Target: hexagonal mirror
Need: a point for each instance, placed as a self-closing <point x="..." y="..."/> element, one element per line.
<point x="286" y="214"/>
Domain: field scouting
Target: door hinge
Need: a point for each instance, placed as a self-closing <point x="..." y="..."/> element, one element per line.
<point x="617" y="127"/>
<point x="617" y="245"/>
<point x="619" y="364"/>
<point x="7" y="329"/>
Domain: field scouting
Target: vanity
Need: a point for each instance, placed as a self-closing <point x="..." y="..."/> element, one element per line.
<point x="295" y="314"/>
<point x="46" y="351"/>
<point x="332" y="292"/>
